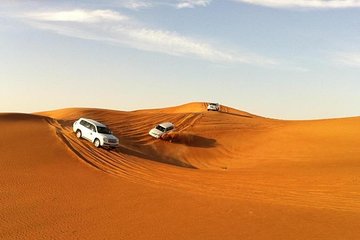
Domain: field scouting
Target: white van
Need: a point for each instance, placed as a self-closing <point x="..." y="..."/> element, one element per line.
<point x="159" y="130"/>
<point x="95" y="132"/>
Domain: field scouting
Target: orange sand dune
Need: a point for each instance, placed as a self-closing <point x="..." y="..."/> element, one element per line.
<point x="225" y="175"/>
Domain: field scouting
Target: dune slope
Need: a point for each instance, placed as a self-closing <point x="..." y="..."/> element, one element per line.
<point x="226" y="175"/>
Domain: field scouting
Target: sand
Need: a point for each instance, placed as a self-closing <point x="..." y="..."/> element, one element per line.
<point x="225" y="175"/>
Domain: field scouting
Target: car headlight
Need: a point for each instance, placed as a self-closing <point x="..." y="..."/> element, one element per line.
<point x="105" y="139"/>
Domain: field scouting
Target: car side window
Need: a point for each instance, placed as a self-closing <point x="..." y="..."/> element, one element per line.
<point x="84" y="123"/>
<point x="87" y="125"/>
<point x="92" y="128"/>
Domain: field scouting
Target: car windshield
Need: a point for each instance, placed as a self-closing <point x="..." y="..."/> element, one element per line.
<point x="158" y="127"/>
<point x="104" y="130"/>
<point x="213" y="104"/>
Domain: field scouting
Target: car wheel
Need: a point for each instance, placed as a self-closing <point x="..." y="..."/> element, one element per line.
<point x="78" y="134"/>
<point x="97" y="143"/>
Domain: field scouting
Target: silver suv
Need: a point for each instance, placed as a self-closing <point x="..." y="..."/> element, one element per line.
<point x="159" y="130"/>
<point x="213" y="107"/>
<point x="95" y="132"/>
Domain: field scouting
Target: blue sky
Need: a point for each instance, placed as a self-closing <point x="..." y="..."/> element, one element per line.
<point x="277" y="58"/>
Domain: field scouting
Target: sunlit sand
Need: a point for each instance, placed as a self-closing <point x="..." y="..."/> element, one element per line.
<point x="224" y="175"/>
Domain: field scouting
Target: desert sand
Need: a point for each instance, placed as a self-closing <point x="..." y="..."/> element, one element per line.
<point x="225" y="175"/>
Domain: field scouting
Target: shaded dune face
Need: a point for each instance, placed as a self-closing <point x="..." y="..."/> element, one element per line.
<point x="229" y="139"/>
<point x="228" y="153"/>
<point x="186" y="141"/>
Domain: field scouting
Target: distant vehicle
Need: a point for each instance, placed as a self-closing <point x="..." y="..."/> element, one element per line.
<point x="213" y="107"/>
<point x="95" y="132"/>
<point x="161" y="129"/>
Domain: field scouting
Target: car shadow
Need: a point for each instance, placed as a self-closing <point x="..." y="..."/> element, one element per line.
<point x="190" y="140"/>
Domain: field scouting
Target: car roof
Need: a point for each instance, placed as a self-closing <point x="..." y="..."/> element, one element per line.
<point x="93" y="122"/>
<point x="166" y="124"/>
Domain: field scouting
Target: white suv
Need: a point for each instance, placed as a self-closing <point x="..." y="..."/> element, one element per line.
<point x="95" y="132"/>
<point x="159" y="130"/>
<point x="213" y="107"/>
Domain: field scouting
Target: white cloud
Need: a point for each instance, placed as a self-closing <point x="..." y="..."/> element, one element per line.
<point x="108" y="26"/>
<point x="193" y="3"/>
<point x="136" y="4"/>
<point x="349" y="59"/>
<point x="78" y="15"/>
<point x="304" y="3"/>
<point x="175" y="44"/>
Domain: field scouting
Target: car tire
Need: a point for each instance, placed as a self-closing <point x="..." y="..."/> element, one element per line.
<point x="97" y="143"/>
<point x="78" y="134"/>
